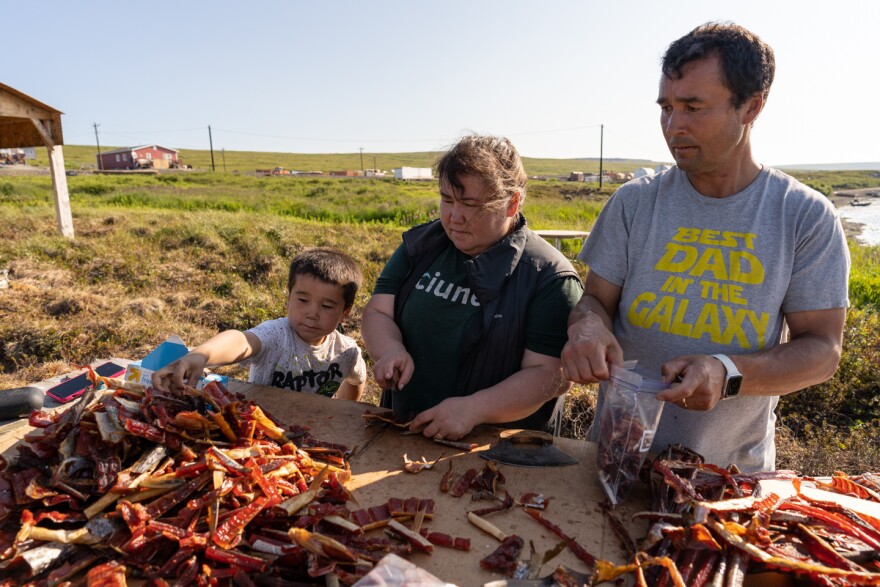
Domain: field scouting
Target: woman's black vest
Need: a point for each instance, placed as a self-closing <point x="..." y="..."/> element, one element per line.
<point x="505" y="278"/>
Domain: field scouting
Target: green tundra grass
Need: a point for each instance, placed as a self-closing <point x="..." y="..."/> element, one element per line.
<point x="195" y="253"/>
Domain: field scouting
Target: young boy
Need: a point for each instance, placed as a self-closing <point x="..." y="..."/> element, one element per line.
<point x="302" y="352"/>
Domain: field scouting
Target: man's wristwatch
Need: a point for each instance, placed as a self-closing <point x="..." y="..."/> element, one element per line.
<point x="733" y="380"/>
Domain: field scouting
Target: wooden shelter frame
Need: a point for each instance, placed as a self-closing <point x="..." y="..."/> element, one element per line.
<point x="26" y="122"/>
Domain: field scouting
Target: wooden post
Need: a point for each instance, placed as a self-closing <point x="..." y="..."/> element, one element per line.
<point x="62" y="196"/>
<point x="59" y="179"/>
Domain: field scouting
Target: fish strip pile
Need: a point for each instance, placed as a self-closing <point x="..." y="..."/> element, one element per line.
<point x="714" y="528"/>
<point x="709" y="527"/>
<point x="201" y="487"/>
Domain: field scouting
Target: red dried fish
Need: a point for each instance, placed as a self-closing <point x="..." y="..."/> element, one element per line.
<point x="238" y="559"/>
<point x="446" y="480"/>
<point x="110" y="574"/>
<point x="463" y="483"/>
<point x="505" y="558"/>
<point x="441" y="539"/>
<point x="578" y="550"/>
<point x="505" y="504"/>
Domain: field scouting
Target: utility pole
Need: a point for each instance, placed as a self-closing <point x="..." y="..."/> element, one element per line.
<point x="362" y="160"/>
<point x="223" y="151"/>
<point x="601" y="141"/>
<point x="100" y="163"/>
<point x="211" y="142"/>
<point x="374" y="162"/>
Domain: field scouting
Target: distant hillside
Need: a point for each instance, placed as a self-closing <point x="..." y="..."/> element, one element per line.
<point x="79" y="156"/>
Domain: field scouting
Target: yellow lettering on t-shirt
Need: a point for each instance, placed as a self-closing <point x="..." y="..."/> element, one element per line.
<point x="724" y="292"/>
<point x="707" y="323"/>
<point x="746" y="268"/>
<point x="661" y="314"/>
<point x="711" y="261"/>
<point x="739" y="266"/>
<point x="677" y="258"/>
<point x="714" y="261"/>
<point x="679" y="326"/>
<point x="717" y="238"/>
<point x="734" y="326"/>
<point x="639" y="309"/>
<point x="709" y="237"/>
<point x="760" y="324"/>
<point x="720" y="323"/>
<point x="686" y="235"/>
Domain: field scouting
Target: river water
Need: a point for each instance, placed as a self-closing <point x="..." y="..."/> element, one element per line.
<point x="868" y="217"/>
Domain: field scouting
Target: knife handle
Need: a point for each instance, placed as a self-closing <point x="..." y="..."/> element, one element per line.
<point x="519" y="436"/>
<point x="18" y="402"/>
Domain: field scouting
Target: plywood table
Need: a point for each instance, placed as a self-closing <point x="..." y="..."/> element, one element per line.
<point x="377" y="475"/>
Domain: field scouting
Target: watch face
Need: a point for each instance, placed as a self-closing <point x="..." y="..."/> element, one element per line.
<point x="732" y="388"/>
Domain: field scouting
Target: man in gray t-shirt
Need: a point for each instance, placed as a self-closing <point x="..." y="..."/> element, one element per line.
<point x="694" y="271"/>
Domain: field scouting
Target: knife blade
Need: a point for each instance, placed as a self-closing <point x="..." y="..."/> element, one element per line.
<point x="399" y="405"/>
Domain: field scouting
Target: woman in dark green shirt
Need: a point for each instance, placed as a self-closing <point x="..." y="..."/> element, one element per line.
<point x="469" y="315"/>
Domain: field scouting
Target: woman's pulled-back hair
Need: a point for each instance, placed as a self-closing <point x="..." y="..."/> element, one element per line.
<point x="747" y="62"/>
<point x="492" y="159"/>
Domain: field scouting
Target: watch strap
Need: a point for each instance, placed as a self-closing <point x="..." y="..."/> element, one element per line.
<point x="731" y="388"/>
<point x="732" y="371"/>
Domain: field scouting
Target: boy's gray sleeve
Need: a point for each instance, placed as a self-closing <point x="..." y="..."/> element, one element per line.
<point x="358" y="373"/>
<point x="271" y="336"/>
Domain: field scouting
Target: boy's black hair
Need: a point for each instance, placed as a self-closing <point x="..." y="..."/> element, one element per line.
<point x="328" y="265"/>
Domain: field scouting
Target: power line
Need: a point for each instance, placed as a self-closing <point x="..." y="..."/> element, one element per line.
<point x="139" y="132"/>
<point x="434" y="140"/>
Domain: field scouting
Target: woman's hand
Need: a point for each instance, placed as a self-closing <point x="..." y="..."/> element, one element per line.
<point x="393" y="364"/>
<point x="451" y="419"/>
<point x="395" y="367"/>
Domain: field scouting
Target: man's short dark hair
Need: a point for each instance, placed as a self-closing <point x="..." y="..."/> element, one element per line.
<point x="747" y="62"/>
<point x="328" y="265"/>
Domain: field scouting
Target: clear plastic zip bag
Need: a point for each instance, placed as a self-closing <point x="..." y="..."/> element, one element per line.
<point x="628" y="422"/>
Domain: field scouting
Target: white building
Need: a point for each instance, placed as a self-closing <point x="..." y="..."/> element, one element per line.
<point x="414" y="173"/>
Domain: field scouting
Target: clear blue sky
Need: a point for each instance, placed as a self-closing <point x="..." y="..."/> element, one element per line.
<point x="387" y="76"/>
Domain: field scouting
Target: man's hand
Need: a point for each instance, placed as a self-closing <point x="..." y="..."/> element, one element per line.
<point x="697" y="382"/>
<point x="183" y="371"/>
<point x="591" y="346"/>
<point x="590" y="349"/>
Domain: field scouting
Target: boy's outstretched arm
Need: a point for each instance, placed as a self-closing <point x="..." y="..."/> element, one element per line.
<point x="230" y="346"/>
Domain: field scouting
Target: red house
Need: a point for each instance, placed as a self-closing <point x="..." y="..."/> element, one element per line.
<point x="143" y="157"/>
